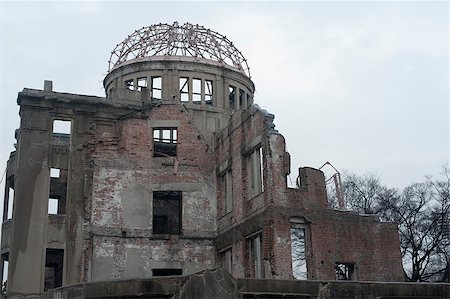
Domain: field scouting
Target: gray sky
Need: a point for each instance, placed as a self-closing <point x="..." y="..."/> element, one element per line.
<point x="363" y="85"/>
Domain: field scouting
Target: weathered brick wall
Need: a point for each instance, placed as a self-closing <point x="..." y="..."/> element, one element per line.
<point x="125" y="174"/>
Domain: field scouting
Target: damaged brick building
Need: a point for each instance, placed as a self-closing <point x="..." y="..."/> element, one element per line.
<point x="174" y="171"/>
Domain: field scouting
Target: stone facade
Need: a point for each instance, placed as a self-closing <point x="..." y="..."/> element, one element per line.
<point x="175" y="171"/>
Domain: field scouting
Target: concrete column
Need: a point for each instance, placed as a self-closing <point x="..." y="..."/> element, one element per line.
<point x="27" y="253"/>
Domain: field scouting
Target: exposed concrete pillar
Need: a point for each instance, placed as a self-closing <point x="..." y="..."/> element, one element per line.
<point x="27" y="254"/>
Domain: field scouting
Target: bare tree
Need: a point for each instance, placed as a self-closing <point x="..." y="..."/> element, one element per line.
<point x="421" y="212"/>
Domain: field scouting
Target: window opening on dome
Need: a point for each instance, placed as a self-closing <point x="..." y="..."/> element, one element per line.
<point x="208" y="92"/>
<point x="197" y="91"/>
<point x="184" y="89"/>
<point x="141" y="83"/>
<point x="232" y="96"/>
<point x="241" y="99"/>
<point x="164" y="142"/>
<point x="129" y="84"/>
<point x="156" y="88"/>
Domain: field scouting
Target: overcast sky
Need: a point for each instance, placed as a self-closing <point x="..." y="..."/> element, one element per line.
<point x="363" y="85"/>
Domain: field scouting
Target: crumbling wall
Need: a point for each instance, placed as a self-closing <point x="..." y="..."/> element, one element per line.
<point x="126" y="174"/>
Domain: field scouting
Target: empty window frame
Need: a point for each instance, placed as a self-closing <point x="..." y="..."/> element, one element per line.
<point x="227" y="191"/>
<point x="208" y="92"/>
<point x="226" y="259"/>
<point x="167" y="272"/>
<point x="167" y="212"/>
<point x="197" y="91"/>
<point x="156" y="88"/>
<point x="129" y="84"/>
<point x="232" y="96"/>
<point x="241" y="99"/>
<point x="141" y="83"/>
<point x="57" y="192"/>
<point x="254" y="246"/>
<point x="5" y="266"/>
<point x="63" y="127"/>
<point x="164" y="142"/>
<point x="255" y="173"/>
<point x="298" y="251"/>
<point x="8" y="203"/>
<point x="184" y="89"/>
<point x="345" y="271"/>
<point x="53" y="268"/>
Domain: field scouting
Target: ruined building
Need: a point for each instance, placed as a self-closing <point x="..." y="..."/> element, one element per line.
<point x="174" y="171"/>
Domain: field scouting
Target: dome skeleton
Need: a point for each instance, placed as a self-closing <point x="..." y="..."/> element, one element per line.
<point x="178" y="40"/>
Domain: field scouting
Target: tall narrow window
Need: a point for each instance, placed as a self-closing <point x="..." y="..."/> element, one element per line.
<point x="53" y="268"/>
<point x="184" y="89"/>
<point x="298" y="251"/>
<point x="141" y="83"/>
<point x="167" y="212"/>
<point x="10" y="204"/>
<point x="227" y="183"/>
<point x="255" y="172"/>
<point x="345" y="271"/>
<point x="5" y="266"/>
<point x="226" y="259"/>
<point x="241" y="99"/>
<point x="164" y="142"/>
<point x="197" y="91"/>
<point x="53" y="206"/>
<point x="232" y="96"/>
<point x="156" y="88"/>
<point x="255" y="256"/>
<point x="208" y="92"/>
<point x="57" y="192"/>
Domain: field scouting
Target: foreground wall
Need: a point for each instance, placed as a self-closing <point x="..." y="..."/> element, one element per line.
<point x="218" y="283"/>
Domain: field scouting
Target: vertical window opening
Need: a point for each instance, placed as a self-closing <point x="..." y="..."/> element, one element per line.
<point x="255" y="257"/>
<point x="167" y="212"/>
<point x="241" y="99"/>
<point x="156" y="88"/>
<point x="53" y="204"/>
<point x="248" y="100"/>
<point x="255" y="172"/>
<point x="197" y="91"/>
<point x="298" y="251"/>
<point x="62" y="127"/>
<point x="164" y="142"/>
<point x="57" y="192"/>
<point x="184" y="89"/>
<point x="10" y="204"/>
<point x="208" y="92"/>
<point x="5" y="267"/>
<point x="226" y="259"/>
<point x="345" y="271"/>
<point x="141" y="83"/>
<point x="231" y="96"/>
<point x="129" y="84"/>
<point x="53" y="268"/>
<point x="227" y="183"/>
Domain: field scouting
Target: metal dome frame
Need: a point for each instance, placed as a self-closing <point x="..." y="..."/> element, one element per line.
<point x="178" y="40"/>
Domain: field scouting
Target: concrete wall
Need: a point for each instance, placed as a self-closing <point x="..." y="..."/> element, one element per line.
<point x="218" y="283"/>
